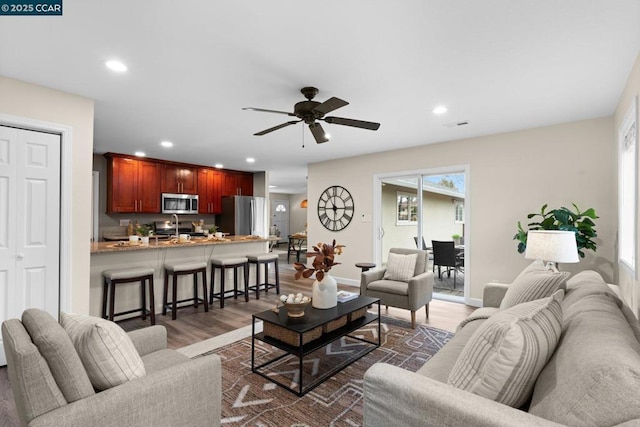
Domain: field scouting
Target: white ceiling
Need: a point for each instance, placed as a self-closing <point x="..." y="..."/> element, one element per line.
<point x="502" y="65"/>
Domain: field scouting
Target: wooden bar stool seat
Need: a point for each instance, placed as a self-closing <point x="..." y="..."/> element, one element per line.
<point x="182" y="269"/>
<point x="222" y="264"/>
<point x="128" y="275"/>
<point x="264" y="259"/>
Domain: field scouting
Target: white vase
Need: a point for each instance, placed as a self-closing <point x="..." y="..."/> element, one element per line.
<point x="144" y="240"/>
<point x="325" y="293"/>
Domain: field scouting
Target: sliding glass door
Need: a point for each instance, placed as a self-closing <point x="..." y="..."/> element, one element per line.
<point x="417" y="208"/>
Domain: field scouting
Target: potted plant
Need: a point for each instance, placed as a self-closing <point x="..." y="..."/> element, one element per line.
<point x="325" y="287"/>
<point x="213" y="230"/>
<point x="143" y="231"/>
<point x="580" y="222"/>
<point x="456" y="239"/>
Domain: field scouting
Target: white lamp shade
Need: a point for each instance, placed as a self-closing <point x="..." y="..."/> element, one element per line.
<point x="552" y="245"/>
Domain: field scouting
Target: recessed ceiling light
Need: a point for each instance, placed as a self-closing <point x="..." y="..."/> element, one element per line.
<point x="440" y="109"/>
<point x="327" y="135"/>
<point x="167" y="144"/>
<point x="140" y="153"/>
<point x="115" y="65"/>
<point x="219" y="165"/>
<point x="273" y="186"/>
<point x="250" y="160"/>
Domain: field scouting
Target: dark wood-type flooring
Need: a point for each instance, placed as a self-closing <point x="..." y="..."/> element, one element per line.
<point x="194" y="325"/>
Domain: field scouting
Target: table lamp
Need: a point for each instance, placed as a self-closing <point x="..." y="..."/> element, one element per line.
<point x="552" y="246"/>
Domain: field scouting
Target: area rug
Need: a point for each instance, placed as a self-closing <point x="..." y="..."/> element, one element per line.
<point x="251" y="400"/>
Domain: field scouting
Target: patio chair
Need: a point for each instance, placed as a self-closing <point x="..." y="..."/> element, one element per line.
<point x="446" y="255"/>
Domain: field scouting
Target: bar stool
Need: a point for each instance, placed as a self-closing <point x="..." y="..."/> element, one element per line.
<point x="128" y="275"/>
<point x="182" y="269"/>
<point x="264" y="259"/>
<point x="223" y="264"/>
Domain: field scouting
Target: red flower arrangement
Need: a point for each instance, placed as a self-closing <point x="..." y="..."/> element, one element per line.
<point x="324" y="259"/>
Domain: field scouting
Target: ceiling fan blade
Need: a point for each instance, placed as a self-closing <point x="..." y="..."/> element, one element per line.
<point x="329" y="105"/>
<point x="318" y="133"/>
<point x="283" y="125"/>
<point x="351" y="122"/>
<point x="263" y="110"/>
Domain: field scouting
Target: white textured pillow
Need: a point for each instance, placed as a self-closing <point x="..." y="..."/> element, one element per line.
<point x="534" y="282"/>
<point x="401" y="267"/>
<point x="106" y="351"/>
<point x="504" y="356"/>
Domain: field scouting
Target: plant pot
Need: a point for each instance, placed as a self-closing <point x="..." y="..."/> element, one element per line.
<point x="144" y="240"/>
<point x="325" y="293"/>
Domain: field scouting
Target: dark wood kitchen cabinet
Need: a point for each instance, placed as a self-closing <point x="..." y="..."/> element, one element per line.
<point x="237" y="183"/>
<point x="132" y="185"/>
<point x="209" y="191"/>
<point x="179" y="179"/>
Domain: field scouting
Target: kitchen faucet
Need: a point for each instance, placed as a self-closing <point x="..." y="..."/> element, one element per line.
<point x="175" y="217"/>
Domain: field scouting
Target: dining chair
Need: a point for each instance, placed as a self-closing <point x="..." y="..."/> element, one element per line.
<point x="445" y="255"/>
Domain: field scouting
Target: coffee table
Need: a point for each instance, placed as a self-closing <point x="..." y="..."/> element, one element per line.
<point x="299" y="337"/>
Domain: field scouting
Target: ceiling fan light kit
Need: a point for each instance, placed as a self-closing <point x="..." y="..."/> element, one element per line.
<point x="310" y="111"/>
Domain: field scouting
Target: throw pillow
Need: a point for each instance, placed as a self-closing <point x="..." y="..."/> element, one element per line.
<point x="503" y="358"/>
<point x="400" y="267"/>
<point x="54" y="344"/>
<point x="106" y="351"/>
<point x="535" y="282"/>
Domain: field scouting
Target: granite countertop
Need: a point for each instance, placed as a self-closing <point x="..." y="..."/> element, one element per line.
<point x="123" y="246"/>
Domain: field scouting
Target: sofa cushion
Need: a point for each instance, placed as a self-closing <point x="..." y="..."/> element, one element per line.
<point x="438" y="367"/>
<point x="56" y="347"/>
<point x="534" y="282"/>
<point x="400" y="267"/>
<point x="389" y="287"/>
<point x="504" y="356"/>
<point x="34" y="389"/>
<point x="106" y="351"/>
<point x="594" y="376"/>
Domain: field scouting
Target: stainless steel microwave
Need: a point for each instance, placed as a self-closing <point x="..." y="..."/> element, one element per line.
<point x="179" y="203"/>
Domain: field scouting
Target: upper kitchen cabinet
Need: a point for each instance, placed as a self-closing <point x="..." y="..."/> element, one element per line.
<point x="209" y="191"/>
<point x="237" y="183"/>
<point x="132" y="185"/>
<point x="181" y="179"/>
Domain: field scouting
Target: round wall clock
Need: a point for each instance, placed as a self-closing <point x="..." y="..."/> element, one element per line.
<point x="335" y="208"/>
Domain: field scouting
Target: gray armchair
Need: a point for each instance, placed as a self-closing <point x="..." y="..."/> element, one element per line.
<point x="411" y="295"/>
<point x="51" y="387"/>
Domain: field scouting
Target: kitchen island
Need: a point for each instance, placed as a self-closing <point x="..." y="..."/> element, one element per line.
<point x="115" y="255"/>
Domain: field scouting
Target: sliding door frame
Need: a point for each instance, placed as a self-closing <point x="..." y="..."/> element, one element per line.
<point x="378" y="232"/>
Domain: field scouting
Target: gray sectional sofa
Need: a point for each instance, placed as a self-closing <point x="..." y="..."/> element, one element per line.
<point x="592" y="378"/>
<point x="52" y="388"/>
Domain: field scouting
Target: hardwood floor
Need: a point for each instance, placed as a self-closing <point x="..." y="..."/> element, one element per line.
<point x="194" y="325"/>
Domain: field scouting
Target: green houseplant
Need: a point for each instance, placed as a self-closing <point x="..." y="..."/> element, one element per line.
<point x="580" y="222"/>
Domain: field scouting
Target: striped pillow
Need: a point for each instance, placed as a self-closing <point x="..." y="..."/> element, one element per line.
<point x="106" y="351"/>
<point x="535" y="282"/>
<point x="400" y="267"/>
<point x="503" y="358"/>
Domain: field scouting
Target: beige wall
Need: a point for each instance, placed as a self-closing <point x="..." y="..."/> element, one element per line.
<point x="34" y="102"/>
<point x="510" y="175"/>
<point x="629" y="286"/>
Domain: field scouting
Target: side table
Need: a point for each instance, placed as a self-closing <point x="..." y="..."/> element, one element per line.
<point x="365" y="266"/>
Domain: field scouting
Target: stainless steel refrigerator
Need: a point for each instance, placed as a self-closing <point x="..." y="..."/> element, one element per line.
<point x="244" y="215"/>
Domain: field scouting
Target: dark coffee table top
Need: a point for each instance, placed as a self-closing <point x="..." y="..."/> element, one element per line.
<point x="314" y="317"/>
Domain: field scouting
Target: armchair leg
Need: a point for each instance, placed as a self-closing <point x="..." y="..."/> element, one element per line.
<point x="413" y="319"/>
<point x="426" y="308"/>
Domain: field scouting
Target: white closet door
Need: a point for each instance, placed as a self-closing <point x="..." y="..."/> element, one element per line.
<point x="29" y="223"/>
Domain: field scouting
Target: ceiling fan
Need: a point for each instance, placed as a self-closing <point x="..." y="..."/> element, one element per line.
<point x="310" y="111"/>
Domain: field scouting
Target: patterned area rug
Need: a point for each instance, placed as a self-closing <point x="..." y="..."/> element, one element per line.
<point x="251" y="400"/>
